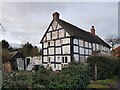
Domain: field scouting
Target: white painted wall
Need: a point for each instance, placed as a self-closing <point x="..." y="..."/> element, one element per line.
<point x="61" y="33"/>
<point x="65" y="40"/>
<point x="58" y="42"/>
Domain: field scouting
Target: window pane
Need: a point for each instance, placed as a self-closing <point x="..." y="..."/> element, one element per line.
<point x="75" y="48"/>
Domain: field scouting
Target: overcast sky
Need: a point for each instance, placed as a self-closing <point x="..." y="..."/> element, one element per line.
<point x="28" y="21"/>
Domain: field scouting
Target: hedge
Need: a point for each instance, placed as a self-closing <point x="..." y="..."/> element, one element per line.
<point x="74" y="76"/>
<point x="106" y="66"/>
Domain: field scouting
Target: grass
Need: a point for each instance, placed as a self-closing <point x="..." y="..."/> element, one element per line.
<point x="97" y="86"/>
<point x="107" y="83"/>
<point x="112" y="81"/>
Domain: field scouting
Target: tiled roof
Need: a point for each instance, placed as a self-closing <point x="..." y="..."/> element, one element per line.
<point x="80" y="33"/>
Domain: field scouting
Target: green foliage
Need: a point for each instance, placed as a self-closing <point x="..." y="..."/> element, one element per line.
<point x="106" y="66"/>
<point x="28" y="49"/>
<point x="4" y="44"/>
<point x="73" y="76"/>
<point x="96" y="86"/>
<point x="118" y="67"/>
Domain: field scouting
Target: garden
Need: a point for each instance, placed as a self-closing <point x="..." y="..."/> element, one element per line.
<point x="75" y="75"/>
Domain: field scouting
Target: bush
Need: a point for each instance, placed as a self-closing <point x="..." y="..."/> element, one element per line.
<point x="106" y="66"/>
<point x="74" y="76"/>
<point x="118" y="67"/>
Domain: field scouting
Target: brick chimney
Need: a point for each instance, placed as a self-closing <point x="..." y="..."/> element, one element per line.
<point x="92" y="30"/>
<point x="56" y="15"/>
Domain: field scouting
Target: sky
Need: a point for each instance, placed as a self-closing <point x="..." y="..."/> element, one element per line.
<point x="28" y="21"/>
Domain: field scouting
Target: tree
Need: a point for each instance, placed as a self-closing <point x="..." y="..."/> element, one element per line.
<point x="26" y="49"/>
<point x="34" y="51"/>
<point x="113" y="40"/>
<point x="4" y="44"/>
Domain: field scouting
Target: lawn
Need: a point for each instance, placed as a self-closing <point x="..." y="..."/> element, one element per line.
<point x="107" y="83"/>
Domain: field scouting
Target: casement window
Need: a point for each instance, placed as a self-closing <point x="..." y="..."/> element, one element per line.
<point x="75" y="41"/>
<point x="90" y="45"/>
<point x="45" y="44"/>
<point x="45" y="59"/>
<point x="76" y="49"/>
<point x="90" y="52"/>
<point x="44" y="51"/>
<point x="81" y="50"/>
<point x="94" y="46"/>
<point x="81" y="43"/>
<point x="76" y="57"/>
<point x="48" y="36"/>
<point x="86" y="44"/>
<point x="97" y="47"/>
<point x="86" y="51"/>
<point x="58" y="50"/>
<point x="51" y="43"/>
<point x="64" y="59"/>
<point x="51" y="50"/>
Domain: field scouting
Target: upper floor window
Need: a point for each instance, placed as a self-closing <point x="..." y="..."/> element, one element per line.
<point x="75" y="41"/>
<point x="81" y="42"/>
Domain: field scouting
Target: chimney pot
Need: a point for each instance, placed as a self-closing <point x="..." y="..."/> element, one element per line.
<point x="56" y="16"/>
<point x="93" y="30"/>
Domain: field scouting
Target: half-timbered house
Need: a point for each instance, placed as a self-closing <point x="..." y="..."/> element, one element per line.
<point x="64" y="42"/>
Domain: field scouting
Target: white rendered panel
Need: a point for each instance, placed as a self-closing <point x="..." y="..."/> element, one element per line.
<point x="58" y="42"/>
<point x="65" y="40"/>
<point x="54" y="35"/>
<point x="66" y="49"/>
<point x="45" y="59"/>
<point x="61" y="33"/>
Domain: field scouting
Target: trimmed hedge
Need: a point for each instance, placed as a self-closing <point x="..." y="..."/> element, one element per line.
<point x="106" y="66"/>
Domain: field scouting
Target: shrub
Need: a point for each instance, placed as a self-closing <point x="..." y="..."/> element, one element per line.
<point x="106" y="66"/>
<point x="74" y="76"/>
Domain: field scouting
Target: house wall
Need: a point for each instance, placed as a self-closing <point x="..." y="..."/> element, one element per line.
<point x="56" y="46"/>
<point x="60" y="48"/>
<point x="83" y="49"/>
